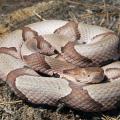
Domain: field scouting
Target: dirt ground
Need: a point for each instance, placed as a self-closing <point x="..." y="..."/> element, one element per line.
<point x="15" y="14"/>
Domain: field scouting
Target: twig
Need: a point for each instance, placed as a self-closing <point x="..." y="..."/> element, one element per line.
<point x="91" y="5"/>
<point x="12" y="102"/>
<point x="108" y="118"/>
<point x="89" y="15"/>
<point x="73" y="17"/>
<point x="78" y="3"/>
<point x="39" y="16"/>
<point x="112" y="23"/>
<point x="105" y="9"/>
<point x="119" y="27"/>
<point x="103" y="20"/>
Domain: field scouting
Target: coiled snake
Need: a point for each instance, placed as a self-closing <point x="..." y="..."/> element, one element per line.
<point x="55" y="61"/>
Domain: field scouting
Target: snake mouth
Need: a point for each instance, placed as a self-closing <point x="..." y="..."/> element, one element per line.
<point x="97" y="79"/>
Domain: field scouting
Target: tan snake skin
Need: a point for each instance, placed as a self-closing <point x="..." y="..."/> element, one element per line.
<point x="55" y="61"/>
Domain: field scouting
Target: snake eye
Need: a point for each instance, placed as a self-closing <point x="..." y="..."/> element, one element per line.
<point x="56" y="75"/>
<point x="56" y="52"/>
<point x="88" y="75"/>
<point x="83" y="42"/>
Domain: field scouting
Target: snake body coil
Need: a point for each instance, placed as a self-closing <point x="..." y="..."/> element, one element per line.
<point x="55" y="61"/>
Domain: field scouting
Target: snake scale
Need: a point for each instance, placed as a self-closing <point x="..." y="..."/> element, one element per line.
<point x="55" y="61"/>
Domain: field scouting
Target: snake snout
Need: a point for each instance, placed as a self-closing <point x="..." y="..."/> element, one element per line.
<point x="97" y="77"/>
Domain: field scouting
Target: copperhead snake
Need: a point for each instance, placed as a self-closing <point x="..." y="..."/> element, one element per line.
<point x="56" y="61"/>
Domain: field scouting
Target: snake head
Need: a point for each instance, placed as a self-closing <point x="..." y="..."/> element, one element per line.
<point x="85" y="75"/>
